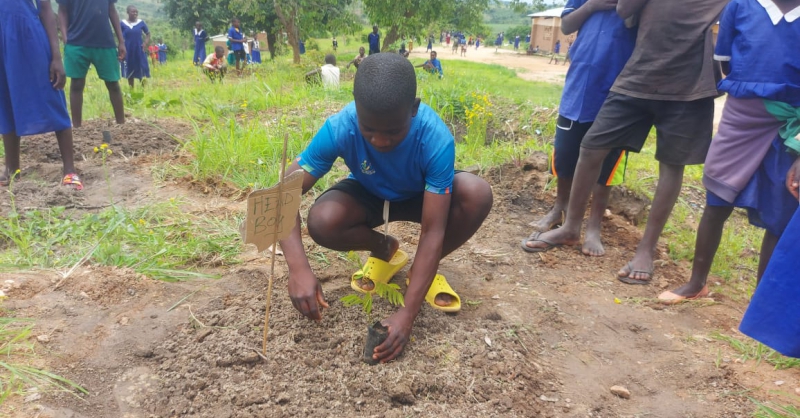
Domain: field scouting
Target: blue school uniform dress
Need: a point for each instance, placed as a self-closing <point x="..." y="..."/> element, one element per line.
<point x="29" y="105"/>
<point x="135" y="64"/>
<point x="200" y="38"/>
<point x="761" y="44"/>
<point x="424" y="161"/>
<point x="773" y="316"/>
<point x="162" y="53"/>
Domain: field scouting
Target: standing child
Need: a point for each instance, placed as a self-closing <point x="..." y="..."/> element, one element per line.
<point x="32" y="99"/>
<point x="603" y="47"/>
<point x="401" y="157"/>
<point x="335" y="44"/>
<point x="137" y="39"/>
<point x="162" y="51"/>
<point x="664" y="84"/>
<point x="430" y="44"/>
<point x="236" y="39"/>
<point x="89" y="40"/>
<point x="755" y="150"/>
<point x="374" y="40"/>
<point x="200" y="39"/>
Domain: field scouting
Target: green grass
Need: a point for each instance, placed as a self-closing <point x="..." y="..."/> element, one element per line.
<point x="772" y="410"/>
<point x="753" y="350"/>
<point x="17" y="351"/>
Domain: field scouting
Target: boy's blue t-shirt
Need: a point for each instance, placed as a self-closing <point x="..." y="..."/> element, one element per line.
<point x="234" y="33"/>
<point x="598" y="55"/>
<point x="89" y="24"/>
<point x="424" y="161"/>
<point x="761" y="44"/>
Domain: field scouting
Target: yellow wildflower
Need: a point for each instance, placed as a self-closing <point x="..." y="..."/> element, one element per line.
<point x="104" y="146"/>
<point x="96" y="150"/>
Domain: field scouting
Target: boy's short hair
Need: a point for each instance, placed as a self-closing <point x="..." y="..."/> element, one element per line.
<point x="330" y="59"/>
<point x="385" y="82"/>
<point x="219" y="49"/>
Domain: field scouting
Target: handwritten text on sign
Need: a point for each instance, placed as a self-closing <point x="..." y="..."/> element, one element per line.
<point x="263" y="224"/>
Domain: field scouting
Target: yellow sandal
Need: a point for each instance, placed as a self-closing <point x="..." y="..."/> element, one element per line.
<point x="379" y="271"/>
<point x="440" y="285"/>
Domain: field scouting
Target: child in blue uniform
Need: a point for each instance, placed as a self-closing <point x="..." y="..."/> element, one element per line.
<point x="32" y="80"/>
<point x="137" y="38"/>
<point x="400" y="154"/>
<point x="200" y="39"/>
<point x="756" y="149"/>
<point x="236" y="38"/>
<point x="602" y="48"/>
<point x="162" y="52"/>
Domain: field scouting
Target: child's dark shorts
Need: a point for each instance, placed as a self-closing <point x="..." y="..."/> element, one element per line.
<point x="240" y="55"/>
<point x="567" y="149"/>
<point x="683" y="129"/>
<point x="409" y="210"/>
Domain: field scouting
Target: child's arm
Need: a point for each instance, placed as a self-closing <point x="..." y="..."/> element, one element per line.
<point x="435" y="211"/>
<point x="305" y="290"/>
<point x="571" y="22"/>
<point x="63" y="21"/>
<point x="628" y="8"/>
<point x="48" y="19"/>
<point x="114" y="17"/>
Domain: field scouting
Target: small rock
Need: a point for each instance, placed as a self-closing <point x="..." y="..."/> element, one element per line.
<point x="33" y="397"/>
<point x="84" y="295"/>
<point x="203" y="334"/>
<point x="402" y="394"/>
<point x="507" y="402"/>
<point x="496" y="297"/>
<point x="488" y="340"/>
<point x="547" y="399"/>
<point x="621" y="391"/>
<point x="43" y="338"/>
<point x="124" y="320"/>
<point x="492" y="355"/>
<point x="797" y="391"/>
<point x="143" y="352"/>
<point x="131" y="292"/>
<point x="779" y="382"/>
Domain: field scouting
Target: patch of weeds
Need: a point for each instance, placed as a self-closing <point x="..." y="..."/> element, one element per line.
<point x="17" y="375"/>
<point x="160" y="241"/>
<point x="773" y="410"/>
<point x="753" y="350"/>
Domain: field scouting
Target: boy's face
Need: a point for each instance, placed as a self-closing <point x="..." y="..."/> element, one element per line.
<point x="385" y="131"/>
<point x="361" y="51"/>
<point x="236" y="24"/>
<point x="219" y="54"/>
<point x="198" y="25"/>
<point x="433" y="56"/>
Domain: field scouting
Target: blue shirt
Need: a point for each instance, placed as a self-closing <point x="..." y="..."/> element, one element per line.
<point x="374" y="42"/>
<point x="424" y="161"/>
<point x="599" y="53"/>
<point x="89" y="24"/>
<point x="200" y="37"/>
<point x="437" y="66"/>
<point x="761" y="44"/>
<point x="234" y="33"/>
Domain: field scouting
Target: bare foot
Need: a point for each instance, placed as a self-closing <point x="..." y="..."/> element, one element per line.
<point x="639" y="269"/>
<point x="444" y="299"/>
<point x="558" y="236"/>
<point x="548" y="221"/>
<point x="592" y="245"/>
<point x="5" y="178"/>
<point x="689" y="290"/>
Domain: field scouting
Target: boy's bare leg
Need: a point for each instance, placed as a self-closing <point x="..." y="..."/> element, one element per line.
<point x="592" y="242"/>
<point x="115" y="94"/>
<point x="64" y="138"/>
<point x="11" y="149"/>
<point x="130" y="83"/>
<point x="556" y="214"/>
<point x="76" y="86"/>
<point x="670" y="180"/>
<point x="768" y="244"/>
<point x="587" y="171"/>
<point x="339" y="222"/>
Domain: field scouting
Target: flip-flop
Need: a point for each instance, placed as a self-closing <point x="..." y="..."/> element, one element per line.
<point x="535" y="237"/>
<point x="670" y="298"/>
<point x="73" y="180"/>
<point x="440" y="285"/>
<point x="379" y="271"/>
<point x="627" y="279"/>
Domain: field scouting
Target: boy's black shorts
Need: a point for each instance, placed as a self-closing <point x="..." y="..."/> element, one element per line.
<point x="409" y="210"/>
<point x="683" y="129"/>
<point x="567" y="149"/>
<point x="240" y="55"/>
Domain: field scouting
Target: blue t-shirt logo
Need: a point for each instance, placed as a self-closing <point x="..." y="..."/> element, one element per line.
<point x="366" y="168"/>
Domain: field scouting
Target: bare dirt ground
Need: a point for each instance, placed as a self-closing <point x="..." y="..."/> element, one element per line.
<point x="539" y="335"/>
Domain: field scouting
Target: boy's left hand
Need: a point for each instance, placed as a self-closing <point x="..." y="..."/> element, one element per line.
<point x="57" y="75"/>
<point x="793" y="179"/>
<point x="399" y="324"/>
<point x="121" y="51"/>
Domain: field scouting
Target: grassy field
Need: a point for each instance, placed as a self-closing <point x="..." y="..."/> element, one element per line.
<point x="238" y="129"/>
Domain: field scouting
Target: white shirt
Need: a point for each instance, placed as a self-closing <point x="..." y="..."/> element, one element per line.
<point x="330" y="76"/>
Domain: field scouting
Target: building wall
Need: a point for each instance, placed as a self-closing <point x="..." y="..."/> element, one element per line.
<point x="546" y="31"/>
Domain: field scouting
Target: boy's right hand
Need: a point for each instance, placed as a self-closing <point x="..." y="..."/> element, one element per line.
<point x="121" y="51"/>
<point x="305" y="291"/>
<point x="601" y="5"/>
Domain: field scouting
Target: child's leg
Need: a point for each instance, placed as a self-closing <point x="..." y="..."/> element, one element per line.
<point x="64" y="138"/>
<point x="592" y="242"/>
<point x="130" y="83"/>
<point x="76" y="87"/>
<point x="768" y="244"/>
<point x="709" y="234"/>
<point x="115" y="94"/>
<point x="11" y="149"/>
